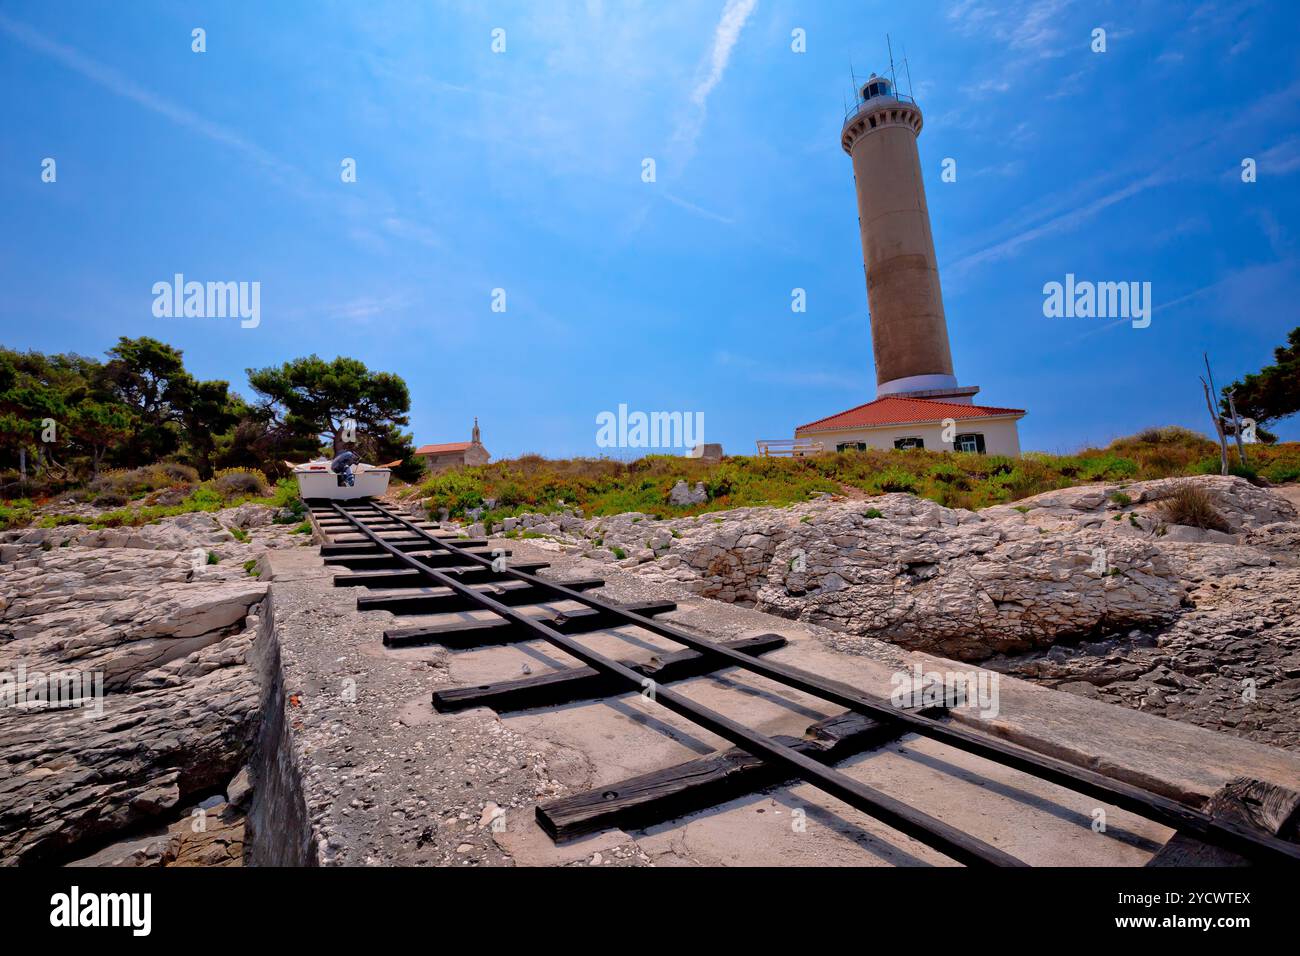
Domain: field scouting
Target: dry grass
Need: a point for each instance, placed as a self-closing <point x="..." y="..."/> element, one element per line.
<point x="601" y="486"/>
<point x="605" y="487"/>
<point x="1189" y="505"/>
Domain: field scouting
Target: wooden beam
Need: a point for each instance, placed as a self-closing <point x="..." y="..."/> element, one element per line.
<point x="442" y="600"/>
<point x="407" y="577"/>
<point x="651" y="798"/>
<point x="1261" y="806"/>
<point x="363" y="548"/>
<point x="382" y="560"/>
<point x="462" y="635"/>
<point x="583" y="683"/>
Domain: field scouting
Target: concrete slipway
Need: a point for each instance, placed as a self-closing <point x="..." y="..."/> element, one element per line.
<point x="355" y="767"/>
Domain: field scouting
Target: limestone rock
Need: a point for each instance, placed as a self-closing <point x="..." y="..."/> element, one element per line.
<point x="683" y="494"/>
<point x="246" y="516"/>
<point x="158" y="638"/>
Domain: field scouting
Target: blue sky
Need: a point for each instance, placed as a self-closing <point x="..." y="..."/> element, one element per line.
<point x="522" y="170"/>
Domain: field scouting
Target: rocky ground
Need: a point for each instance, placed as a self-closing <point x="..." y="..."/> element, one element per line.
<point x="1089" y="588"/>
<point x="149" y="630"/>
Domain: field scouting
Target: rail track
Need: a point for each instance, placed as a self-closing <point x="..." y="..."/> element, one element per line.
<point x="407" y="569"/>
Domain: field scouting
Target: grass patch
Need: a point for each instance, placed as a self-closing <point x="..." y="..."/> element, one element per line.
<point x="16" y="513"/>
<point x="1187" y="504"/>
<point x="602" y="486"/>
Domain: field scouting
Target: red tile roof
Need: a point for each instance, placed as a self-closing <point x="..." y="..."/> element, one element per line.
<point x="440" y="449"/>
<point x="891" y="410"/>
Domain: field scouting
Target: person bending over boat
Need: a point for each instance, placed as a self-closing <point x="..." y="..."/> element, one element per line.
<point x="342" y="466"/>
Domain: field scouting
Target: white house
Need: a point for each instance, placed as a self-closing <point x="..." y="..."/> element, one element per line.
<point x="895" y="422"/>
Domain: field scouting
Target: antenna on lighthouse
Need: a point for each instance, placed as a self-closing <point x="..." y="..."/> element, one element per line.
<point x="892" y="78"/>
<point x="908" y="70"/>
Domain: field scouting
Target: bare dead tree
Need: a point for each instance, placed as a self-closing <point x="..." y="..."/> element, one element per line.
<point x="1236" y="428"/>
<point x="1214" y="416"/>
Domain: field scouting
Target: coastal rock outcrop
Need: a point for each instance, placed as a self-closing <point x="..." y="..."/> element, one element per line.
<point x="128" y="693"/>
<point x="1058" y="567"/>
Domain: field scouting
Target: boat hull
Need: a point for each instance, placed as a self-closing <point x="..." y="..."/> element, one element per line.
<point x="323" y="483"/>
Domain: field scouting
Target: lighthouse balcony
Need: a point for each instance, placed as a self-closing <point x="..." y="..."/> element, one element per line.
<point x="881" y="101"/>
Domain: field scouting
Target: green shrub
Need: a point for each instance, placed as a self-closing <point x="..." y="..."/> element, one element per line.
<point x="1210" y="466"/>
<point x="137" y="482"/>
<point x="285" y="494"/>
<point x="178" y="473"/>
<point x="1108" y="468"/>
<point x="457" y="490"/>
<point x="16" y="513"/>
<point x="1283" y="470"/>
<point x="948" y="473"/>
<point x="600" y="486"/>
<point x="203" y="499"/>
<point x="1169" y="434"/>
<point x="894" y="479"/>
<point x="237" y="482"/>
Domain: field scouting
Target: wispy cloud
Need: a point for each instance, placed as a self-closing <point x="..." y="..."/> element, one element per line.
<point x="689" y="126"/>
<point x="1032" y="27"/>
<point x="1061" y="223"/>
<point x="123" y="86"/>
<point x="409" y="231"/>
<point x="1280" y="159"/>
<point x="1190" y="136"/>
<point x="120" y="85"/>
<point x="1029" y="31"/>
<point x="698" y="210"/>
<point x="367" y="307"/>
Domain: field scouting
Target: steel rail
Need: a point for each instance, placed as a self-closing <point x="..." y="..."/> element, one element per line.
<point x="1153" y="806"/>
<point x="950" y="841"/>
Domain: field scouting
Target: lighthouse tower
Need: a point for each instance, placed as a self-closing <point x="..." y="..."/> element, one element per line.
<point x="909" y="332"/>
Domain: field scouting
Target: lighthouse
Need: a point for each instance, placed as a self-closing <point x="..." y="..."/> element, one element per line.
<point x="909" y="332"/>
<point x="918" y="403"/>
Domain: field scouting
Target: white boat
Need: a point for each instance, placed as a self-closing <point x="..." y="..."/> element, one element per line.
<point x="315" y="480"/>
